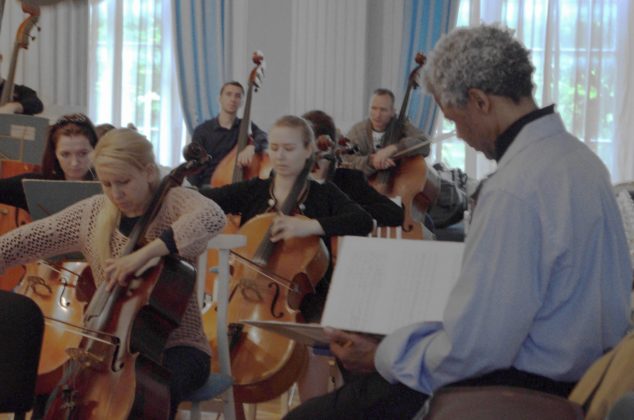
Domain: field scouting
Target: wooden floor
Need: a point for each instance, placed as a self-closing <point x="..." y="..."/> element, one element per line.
<point x="270" y="410"/>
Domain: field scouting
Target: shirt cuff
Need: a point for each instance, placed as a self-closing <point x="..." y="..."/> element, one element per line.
<point x="383" y="361"/>
<point x="168" y="237"/>
<point x="391" y="354"/>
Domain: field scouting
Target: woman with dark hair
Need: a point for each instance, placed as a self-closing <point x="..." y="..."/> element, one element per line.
<point x="69" y="143"/>
<point x="351" y="181"/>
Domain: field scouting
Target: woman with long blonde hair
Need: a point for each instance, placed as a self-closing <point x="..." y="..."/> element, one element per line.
<point x="99" y="227"/>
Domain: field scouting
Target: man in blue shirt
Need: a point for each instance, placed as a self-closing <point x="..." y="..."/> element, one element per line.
<point x="545" y="279"/>
<point x="220" y="134"/>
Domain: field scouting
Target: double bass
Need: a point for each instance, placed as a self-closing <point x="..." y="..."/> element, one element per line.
<point x="228" y="171"/>
<point x="12" y="217"/>
<point x="269" y="281"/>
<point x="411" y="179"/>
<point x="21" y="41"/>
<point x="115" y="372"/>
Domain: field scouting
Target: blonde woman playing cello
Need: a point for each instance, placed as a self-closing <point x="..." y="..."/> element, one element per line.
<point x="99" y="228"/>
<point x="329" y="211"/>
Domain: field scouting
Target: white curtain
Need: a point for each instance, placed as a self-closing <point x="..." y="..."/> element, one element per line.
<point x="55" y="63"/>
<point x="574" y="49"/>
<point x="131" y="72"/>
<point x="624" y="128"/>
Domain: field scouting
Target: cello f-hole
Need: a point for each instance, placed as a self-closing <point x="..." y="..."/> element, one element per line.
<point x="276" y="297"/>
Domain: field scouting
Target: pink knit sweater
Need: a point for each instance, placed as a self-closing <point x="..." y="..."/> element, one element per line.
<point x="193" y="218"/>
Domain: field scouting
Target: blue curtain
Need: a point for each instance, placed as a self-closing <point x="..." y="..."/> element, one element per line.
<point x="425" y="22"/>
<point x="199" y="54"/>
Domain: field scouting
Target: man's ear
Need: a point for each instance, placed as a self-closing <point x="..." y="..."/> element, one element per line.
<point x="480" y="100"/>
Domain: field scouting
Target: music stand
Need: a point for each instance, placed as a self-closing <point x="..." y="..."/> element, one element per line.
<point x="22" y="137"/>
<point x="45" y="197"/>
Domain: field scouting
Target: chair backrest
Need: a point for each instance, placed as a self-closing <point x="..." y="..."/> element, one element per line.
<point x="498" y="402"/>
<point x="607" y="380"/>
<point x="21" y="329"/>
<point x="394" y="232"/>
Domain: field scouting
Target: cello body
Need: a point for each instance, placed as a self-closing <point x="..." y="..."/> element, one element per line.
<point x="410" y="179"/>
<point x="11" y="218"/>
<point x="418" y="187"/>
<point x="9" y="168"/>
<point x="115" y="371"/>
<point x="61" y="291"/>
<point x="224" y="174"/>
<point x="265" y="364"/>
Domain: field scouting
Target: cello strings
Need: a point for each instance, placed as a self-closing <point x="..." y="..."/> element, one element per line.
<point x="271" y="276"/>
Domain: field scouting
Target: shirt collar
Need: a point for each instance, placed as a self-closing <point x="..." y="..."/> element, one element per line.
<point x="216" y="123"/>
<point x="505" y="139"/>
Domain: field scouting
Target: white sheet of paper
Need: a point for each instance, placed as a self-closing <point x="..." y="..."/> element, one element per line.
<point x="380" y="285"/>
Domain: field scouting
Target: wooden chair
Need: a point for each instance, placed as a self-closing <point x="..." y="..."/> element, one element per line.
<point x="497" y="402"/>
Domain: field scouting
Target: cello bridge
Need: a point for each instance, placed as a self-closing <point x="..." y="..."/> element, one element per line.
<point x="85" y="358"/>
<point x="249" y="290"/>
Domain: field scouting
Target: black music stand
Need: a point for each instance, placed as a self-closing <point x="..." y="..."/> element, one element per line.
<point x="21" y="329"/>
<point x="22" y="137"/>
<point x="46" y="197"/>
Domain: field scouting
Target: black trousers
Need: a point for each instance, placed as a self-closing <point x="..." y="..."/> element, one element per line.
<point x="190" y="369"/>
<point x="372" y="397"/>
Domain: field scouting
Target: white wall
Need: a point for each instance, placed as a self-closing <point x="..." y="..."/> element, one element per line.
<point x="324" y="54"/>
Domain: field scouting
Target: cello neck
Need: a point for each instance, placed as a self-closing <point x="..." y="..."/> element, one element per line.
<point x="7" y="89"/>
<point x="394" y="131"/>
<point x="266" y="247"/>
<point x="255" y="78"/>
<point x="243" y="134"/>
<point x="21" y="41"/>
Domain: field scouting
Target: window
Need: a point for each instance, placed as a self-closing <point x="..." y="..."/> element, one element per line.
<point x="136" y="86"/>
<point x="575" y="68"/>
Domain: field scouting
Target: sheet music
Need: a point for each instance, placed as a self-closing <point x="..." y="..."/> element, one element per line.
<point x="380" y="285"/>
<point x="22" y="137"/>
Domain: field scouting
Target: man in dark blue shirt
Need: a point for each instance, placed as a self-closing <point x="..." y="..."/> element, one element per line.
<point x="220" y="134"/>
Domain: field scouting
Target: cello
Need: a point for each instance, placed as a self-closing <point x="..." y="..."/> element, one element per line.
<point x="411" y="179"/>
<point x="12" y="217"/>
<point x="115" y="371"/>
<point x="228" y="171"/>
<point x="61" y="290"/>
<point x="21" y="41"/>
<point x="268" y="282"/>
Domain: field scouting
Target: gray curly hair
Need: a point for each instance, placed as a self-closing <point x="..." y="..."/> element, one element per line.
<point x="486" y="57"/>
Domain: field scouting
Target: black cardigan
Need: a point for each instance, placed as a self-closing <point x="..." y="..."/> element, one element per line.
<point x="335" y="211"/>
<point x="12" y="192"/>
<point x="381" y="208"/>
